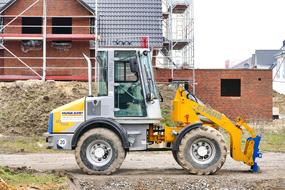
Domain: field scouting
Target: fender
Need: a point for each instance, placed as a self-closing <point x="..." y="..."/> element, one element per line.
<point x="101" y="123"/>
<point x="182" y="133"/>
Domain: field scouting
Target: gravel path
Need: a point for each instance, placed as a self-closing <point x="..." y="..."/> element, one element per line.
<point x="158" y="170"/>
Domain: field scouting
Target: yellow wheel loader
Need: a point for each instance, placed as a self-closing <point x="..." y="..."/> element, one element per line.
<point x="124" y="113"/>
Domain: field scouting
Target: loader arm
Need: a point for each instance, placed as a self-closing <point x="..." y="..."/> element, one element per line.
<point x="187" y="111"/>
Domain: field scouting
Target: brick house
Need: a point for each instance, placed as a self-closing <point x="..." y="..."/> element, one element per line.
<point x="34" y="18"/>
<point x="70" y="32"/>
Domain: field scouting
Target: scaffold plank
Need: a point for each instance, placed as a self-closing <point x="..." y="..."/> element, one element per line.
<point x="72" y="37"/>
<point x="10" y="36"/>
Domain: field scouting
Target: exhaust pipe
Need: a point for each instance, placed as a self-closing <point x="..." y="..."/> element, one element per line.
<point x="88" y="61"/>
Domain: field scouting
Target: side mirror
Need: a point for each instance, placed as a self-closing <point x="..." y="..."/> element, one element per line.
<point x="134" y="66"/>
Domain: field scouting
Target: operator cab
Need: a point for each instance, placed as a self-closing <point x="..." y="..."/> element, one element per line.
<point x="124" y="82"/>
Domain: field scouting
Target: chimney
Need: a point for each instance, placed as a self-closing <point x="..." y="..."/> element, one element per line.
<point x="227" y="64"/>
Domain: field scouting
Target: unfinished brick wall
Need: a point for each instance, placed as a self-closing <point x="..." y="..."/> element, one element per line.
<point x="54" y="8"/>
<point x="254" y="103"/>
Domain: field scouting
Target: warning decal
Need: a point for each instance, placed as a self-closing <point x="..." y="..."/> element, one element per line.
<point x="72" y="116"/>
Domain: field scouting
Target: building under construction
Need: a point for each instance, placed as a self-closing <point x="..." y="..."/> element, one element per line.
<point x="45" y="39"/>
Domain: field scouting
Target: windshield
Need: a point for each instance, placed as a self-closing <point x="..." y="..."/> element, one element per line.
<point x="148" y="74"/>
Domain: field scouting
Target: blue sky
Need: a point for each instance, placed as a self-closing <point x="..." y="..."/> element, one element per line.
<point x="233" y="29"/>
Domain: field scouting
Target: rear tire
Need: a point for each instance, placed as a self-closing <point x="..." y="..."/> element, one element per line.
<point x="202" y="151"/>
<point x="99" y="151"/>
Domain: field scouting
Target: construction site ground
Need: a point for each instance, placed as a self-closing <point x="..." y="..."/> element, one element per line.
<point x="23" y="119"/>
<point x="156" y="170"/>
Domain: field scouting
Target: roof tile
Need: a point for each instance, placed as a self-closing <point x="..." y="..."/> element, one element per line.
<point x="130" y="18"/>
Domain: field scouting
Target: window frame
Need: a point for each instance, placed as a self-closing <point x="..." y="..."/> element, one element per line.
<point x="283" y="66"/>
<point x="25" y="26"/>
<point x="101" y="71"/>
<point x="226" y="93"/>
<point x="61" y="26"/>
<point x="125" y="73"/>
<point x="92" y="25"/>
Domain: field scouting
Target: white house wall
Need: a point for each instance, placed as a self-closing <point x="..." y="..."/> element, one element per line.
<point x="279" y="78"/>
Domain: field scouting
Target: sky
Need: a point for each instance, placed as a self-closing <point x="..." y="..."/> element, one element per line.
<point x="234" y="29"/>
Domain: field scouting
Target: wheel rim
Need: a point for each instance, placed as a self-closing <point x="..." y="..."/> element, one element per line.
<point x="202" y="151"/>
<point x="99" y="153"/>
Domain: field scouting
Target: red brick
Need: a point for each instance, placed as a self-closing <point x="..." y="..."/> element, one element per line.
<point x="54" y="8"/>
<point x="255" y="102"/>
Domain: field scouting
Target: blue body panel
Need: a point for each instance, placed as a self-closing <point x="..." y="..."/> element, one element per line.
<point x="50" y="123"/>
<point x="256" y="153"/>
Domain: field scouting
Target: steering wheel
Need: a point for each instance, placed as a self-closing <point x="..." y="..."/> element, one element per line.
<point x="129" y="94"/>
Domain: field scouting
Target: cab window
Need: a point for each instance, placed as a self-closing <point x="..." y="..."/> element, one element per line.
<point x="102" y="72"/>
<point x="129" y="99"/>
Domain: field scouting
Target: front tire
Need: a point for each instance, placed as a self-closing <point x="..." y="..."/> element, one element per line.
<point x="99" y="151"/>
<point x="202" y="151"/>
<point x="174" y="154"/>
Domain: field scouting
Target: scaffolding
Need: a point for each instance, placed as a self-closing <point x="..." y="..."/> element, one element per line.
<point x="178" y="47"/>
<point x="63" y="41"/>
<point x="31" y="41"/>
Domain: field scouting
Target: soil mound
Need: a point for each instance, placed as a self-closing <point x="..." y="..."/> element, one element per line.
<point x="25" y="105"/>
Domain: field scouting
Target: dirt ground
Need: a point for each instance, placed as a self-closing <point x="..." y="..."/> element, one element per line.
<point x="158" y="170"/>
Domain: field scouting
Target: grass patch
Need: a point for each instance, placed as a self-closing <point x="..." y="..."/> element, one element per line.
<point x="166" y="121"/>
<point x="273" y="142"/>
<point x="43" y="181"/>
<point x="18" y="144"/>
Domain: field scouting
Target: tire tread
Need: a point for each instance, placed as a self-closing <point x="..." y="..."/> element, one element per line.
<point x="107" y="134"/>
<point x="198" y="131"/>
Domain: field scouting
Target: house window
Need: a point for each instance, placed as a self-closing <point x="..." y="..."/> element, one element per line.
<point x="92" y="26"/>
<point x="278" y="70"/>
<point x="1" y="24"/>
<point x="32" y="25"/>
<point x="62" y="25"/>
<point x="230" y="87"/>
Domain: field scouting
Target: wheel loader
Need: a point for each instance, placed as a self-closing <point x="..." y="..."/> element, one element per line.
<point x="124" y="114"/>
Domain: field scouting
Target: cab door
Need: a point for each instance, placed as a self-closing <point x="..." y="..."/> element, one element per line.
<point x="129" y="96"/>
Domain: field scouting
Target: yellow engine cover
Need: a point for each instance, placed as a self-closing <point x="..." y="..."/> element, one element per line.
<point x="68" y="117"/>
